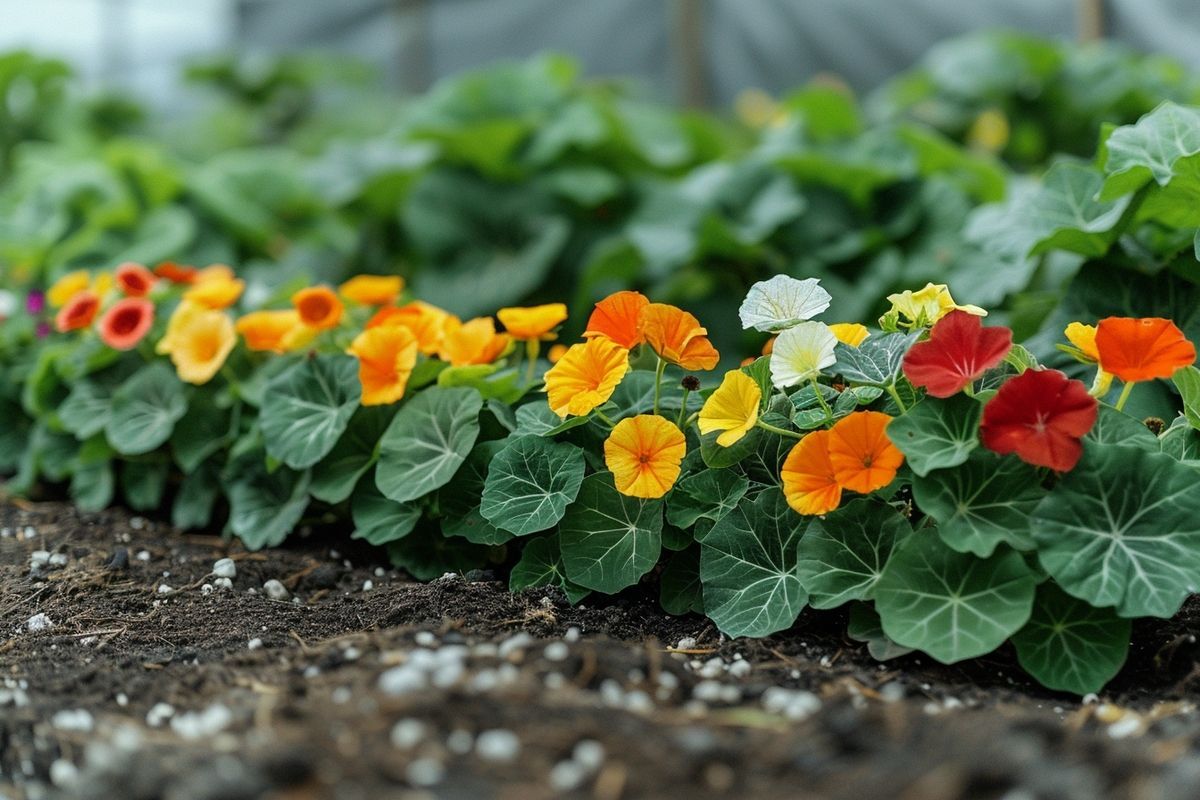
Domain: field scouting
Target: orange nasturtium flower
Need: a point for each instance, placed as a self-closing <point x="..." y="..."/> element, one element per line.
<point x="618" y="318"/>
<point x="585" y="377"/>
<point x="556" y="352"/>
<point x="215" y="288"/>
<point x="198" y="340"/>
<point x="278" y="331"/>
<point x="1142" y="349"/>
<point x="863" y="457"/>
<point x="126" y="322"/>
<point x="372" y="290"/>
<point x="78" y="312"/>
<point x="644" y="454"/>
<point x="386" y="357"/>
<point x="472" y="342"/>
<point x="732" y="408"/>
<point x="318" y="307"/>
<point x="427" y="322"/>
<point x="176" y="273"/>
<point x="850" y="333"/>
<point x="678" y="337"/>
<point x="67" y="287"/>
<point x="134" y="280"/>
<point x="534" y="322"/>
<point x="809" y="482"/>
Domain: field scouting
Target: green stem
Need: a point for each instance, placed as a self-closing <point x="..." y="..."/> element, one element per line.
<point x="1124" y="395"/>
<point x="766" y="426"/>
<point x="683" y="409"/>
<point x="891" y="389"/>
<point x="658" y="375"/>
<point x="821" y="399"/>
<point x="604" y="418"/>
<point x="532" y="347"/>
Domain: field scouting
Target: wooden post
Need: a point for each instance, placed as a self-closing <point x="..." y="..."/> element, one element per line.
<point x="688" y="40"/>
<point x="1090" y="18"/>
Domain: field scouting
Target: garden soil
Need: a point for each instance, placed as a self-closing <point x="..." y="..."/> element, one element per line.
<point x="122" y="676"/>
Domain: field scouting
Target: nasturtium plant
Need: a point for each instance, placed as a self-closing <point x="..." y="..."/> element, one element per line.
<point x="935" y="434"/>
<point x="843" y="553"/>
<point x="530" y="483"/>
<point x="427" y="441"/>
<point x="145" y="409"/>
<point x="306" y="409"/>
<point x="608" y="540"/>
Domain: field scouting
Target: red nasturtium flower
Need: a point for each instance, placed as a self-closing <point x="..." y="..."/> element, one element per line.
<point x="78" y="312"/>
<point x="176" y="273"/>
<point x="126" y="323"/>
<point x="1040" y="415"/>
<point x="959" y="350"/>
<point x="134" y="280"/>
<point x="1142" y="349"/>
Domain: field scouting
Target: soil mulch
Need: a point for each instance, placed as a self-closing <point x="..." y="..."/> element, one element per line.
<point x="123" y="676"/>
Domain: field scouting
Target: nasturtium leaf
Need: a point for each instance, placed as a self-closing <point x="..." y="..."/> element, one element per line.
<point x="92" y="486"/>
<point x="307" y="408"/>
<point x="1187" y="381"/>
<point x="710" y="493"/>
<point x="952" y="605"/>
<point x="429" y="557"/>
<point x="1070" y="645"/>
<point x="541" y="565"/>
<point x="843" y="553"/>
<point x="145" y="409"/>
<point x="335" y="475"/>
<point x="264" y="506"/>
<point x="536" y="419"/>
<point x="936" y="434"/>
<point x="760" y="371"/>
<point x="530" y="483"/>
<point x="1117" y="427"/>
<point x="985" y="501"/>
<point x="876" y="361"/>
<point x="1147" y="150"/>
<point x="193" y="506"/>
<point x="87" y="409"/>
<point x="489" y="380"/>
<point x="749" y="567"/>
<point x="428" y="440"/>
<point x="1066" y="214"/>
<point x="717" y="457"/>
<point x="864" y="626"/>
<point x="203" y="431"/>
<point x="1122" y="529"/>
<point x="378" y="519"/>
<point x="1181" y="442"/>
<point x="679" y="587"/>
<point x="143" y="483"/>
<point x="460" y="499"/>
<point x="609" y="541"/>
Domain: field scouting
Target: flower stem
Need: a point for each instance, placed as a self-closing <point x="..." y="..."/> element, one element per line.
<point x="604" y="418"/>
<point x="766" y="426"/>
<point x="891" y="389"/>
<point x="1124" y="395"/>
<point x="658" y="376"/>
<point x="683" y="408"/>
<point x="821" y="399"/>
<point x="531" y="352"/>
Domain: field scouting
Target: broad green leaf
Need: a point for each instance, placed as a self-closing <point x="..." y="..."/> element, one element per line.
<point x="92" y="486"/>
<point x="609" y="541"/>
<point x="1069" y="645"/>
<point x="1147" y="151"/>
<point x="380" y="520"/>
<point x="953" y="606"/>
<point x="143" y="483"/>
<point x="335" y="475"/>
<point x="427" y="442"/>
<point x="936" y="434"/>
<point x="717" y="457"/>
<point x="985" y="501"/>
<point x="876" y="361"/>
<point x="1122" y="529"/>
<point x="429" y="557"/>
<point x="864" y="626"/>
<point x="537" y="419"/>
<point x="1116" y="427"/>
<point x="489" y="380"/>
<point x="193" y="507"/>
<point x="541" y="565"/>
<point x="1187" y="381"/>
<point x="203" y="431"/>
<point x="710" y="493"/>
<point x="307" y="408"/>
<point x="680" y="589"/>
<point x="87" y="409"/>
<point x="530" y="483"/>
<point x="460" y="499"/>
<point x="264" y="506"/>
<point x="749" y="567"/>
<point x="1181" y="442"/>
<point x="843" y="554"/>
<point x="145" y="409"/>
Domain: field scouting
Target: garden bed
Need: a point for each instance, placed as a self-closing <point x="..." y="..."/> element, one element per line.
<point x="365" y="682"/>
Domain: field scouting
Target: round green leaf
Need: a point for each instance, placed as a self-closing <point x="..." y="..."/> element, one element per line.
<point x="307" y="408"/>
<point x="864" y="626"/>
<point x="982" y="502"/>
<point x="875" y="362"/>
<point x="265" y="507"/>
<point x="843" y="554"/>
<point x="87" y="409"/>
<point x="459" y="500"/>
<point x="1069" y="645"/>
<point x="427" y="442"/>
<point x="145" y="410"/>
<point x="530" y="483"/>
<point x="1116" y="427"/>
<point x="936" y="434"/>
<point x="609" y="541"/>
<point x="680" y="590"/>
<point x="749" y="567"/>
<point x="335" y="476"/>
<point x="709" y="494"/>
<point x="379" y="519"/>
<point x="1123" y="529"/>
<point x="952" y="605"/>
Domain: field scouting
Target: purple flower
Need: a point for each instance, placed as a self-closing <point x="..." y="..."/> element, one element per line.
<point x="35" y="302"/>
<point x="44" y="330"/>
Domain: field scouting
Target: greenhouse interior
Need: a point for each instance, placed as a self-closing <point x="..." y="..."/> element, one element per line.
<point x="599" y="399"/>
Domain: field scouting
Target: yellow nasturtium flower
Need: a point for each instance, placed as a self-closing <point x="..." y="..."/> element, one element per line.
<point x="67" y="287"/>
<point x="732" y="408"/>
<point x="850" y="333"/>
<point x="472" y="342"/>
<point x="585" y="377"/>
<point x="372" y="290"/>
<point x="278" y="331"/>
<point x="198" y="340"/>
<point x="215" y="288"/>
<point x="928" y="305"/>
<point x="534" y="322"/>
<point x="1083" y="339"/>
<point x="386" y="356"/>
<point x="644" y="454"/>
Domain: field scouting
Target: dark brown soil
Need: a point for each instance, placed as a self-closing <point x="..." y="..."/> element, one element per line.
<point x="305" y="713"/>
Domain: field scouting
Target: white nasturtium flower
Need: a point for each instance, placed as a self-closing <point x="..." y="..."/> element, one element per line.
<point x="782" y="302"/>
<point x="801" y="353"/>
